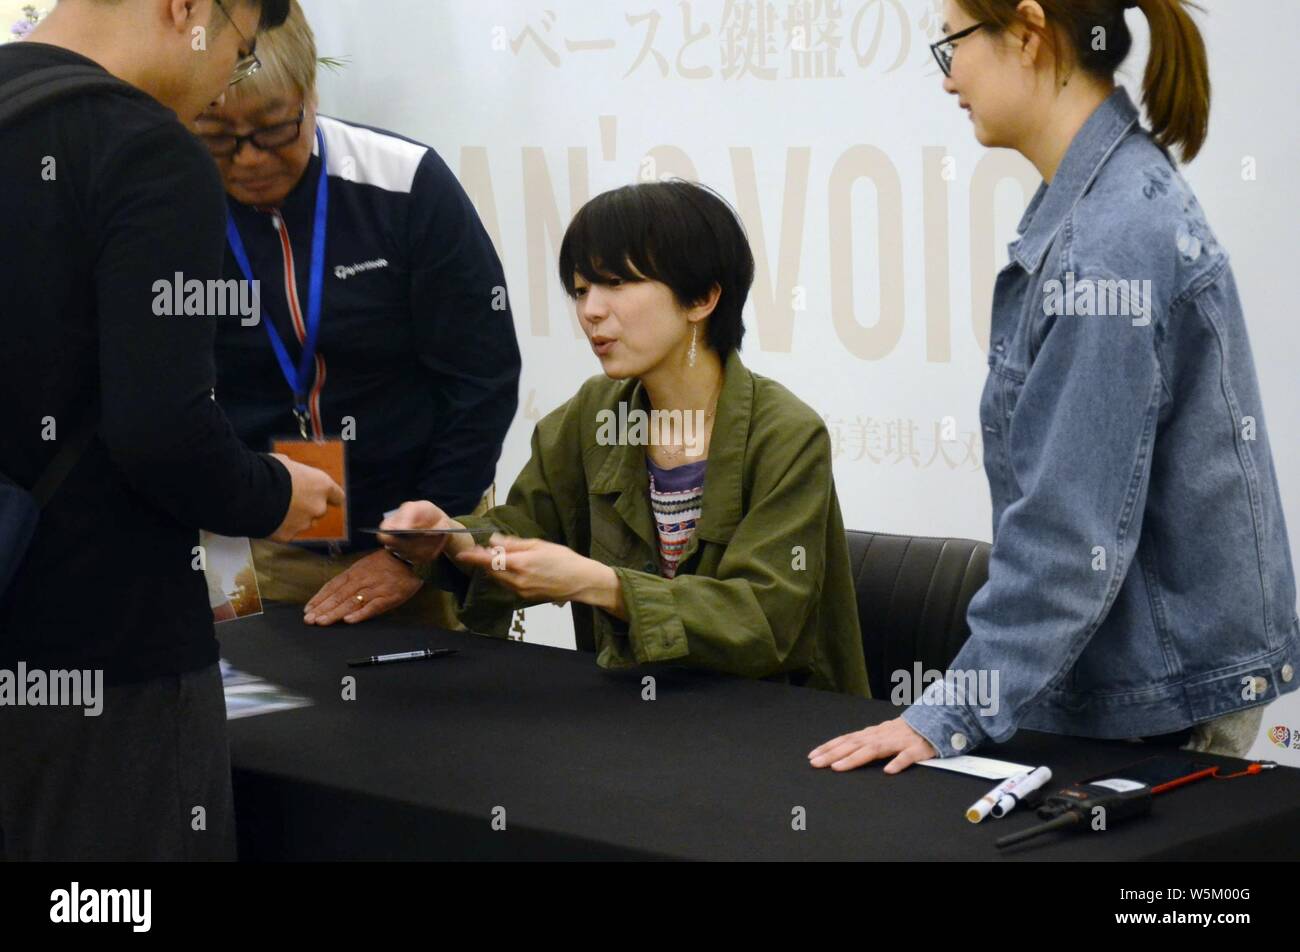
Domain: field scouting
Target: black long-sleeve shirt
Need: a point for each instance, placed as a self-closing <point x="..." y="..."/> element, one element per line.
<point x="416" y="332"/>
<point x="106" y="194"/>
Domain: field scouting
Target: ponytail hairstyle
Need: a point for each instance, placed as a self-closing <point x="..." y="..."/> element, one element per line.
<point x="1176" y="86"/>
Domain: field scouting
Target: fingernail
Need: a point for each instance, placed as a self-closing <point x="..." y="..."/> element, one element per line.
<point x="310" y="619"/>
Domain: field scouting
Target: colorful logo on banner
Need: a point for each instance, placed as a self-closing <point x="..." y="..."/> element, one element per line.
<point x="1284" y="737"/>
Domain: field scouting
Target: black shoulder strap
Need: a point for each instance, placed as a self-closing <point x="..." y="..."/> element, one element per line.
<point x="64" y="462"/>
<point x="19" y="96"/>
<point x="42" y="87"/>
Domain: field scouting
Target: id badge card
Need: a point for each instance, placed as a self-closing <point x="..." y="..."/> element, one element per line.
<point x="329" y="456"/>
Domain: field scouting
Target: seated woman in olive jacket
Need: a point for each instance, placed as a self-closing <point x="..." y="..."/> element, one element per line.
<point x="705" y="533"/>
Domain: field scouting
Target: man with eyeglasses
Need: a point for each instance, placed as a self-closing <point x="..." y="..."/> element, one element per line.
<point x="248" y="63"/>
<point x="106" y="195"/>
<point x="412" y="365"/>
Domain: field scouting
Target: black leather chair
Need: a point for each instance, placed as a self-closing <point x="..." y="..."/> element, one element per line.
<point x="912" y="597"/>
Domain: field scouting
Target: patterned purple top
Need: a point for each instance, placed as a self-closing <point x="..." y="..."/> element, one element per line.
<point x="675" y="496"/>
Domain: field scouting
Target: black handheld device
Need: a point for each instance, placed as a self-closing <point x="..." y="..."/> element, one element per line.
<point x="1082" y="804"/>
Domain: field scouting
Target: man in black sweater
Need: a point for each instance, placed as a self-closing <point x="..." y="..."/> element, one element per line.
<point x="107" y="195"/>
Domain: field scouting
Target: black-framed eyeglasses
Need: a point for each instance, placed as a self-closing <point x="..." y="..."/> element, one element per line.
<point x="267" y="138"/>
<point x="944" y="48"/>
<point x="249" y="64"/>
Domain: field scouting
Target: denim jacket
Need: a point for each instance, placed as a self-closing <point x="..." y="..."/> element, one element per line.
<point x="1140" y="579"/>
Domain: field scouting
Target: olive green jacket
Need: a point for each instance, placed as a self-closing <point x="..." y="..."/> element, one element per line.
<point x="764" y="587"/>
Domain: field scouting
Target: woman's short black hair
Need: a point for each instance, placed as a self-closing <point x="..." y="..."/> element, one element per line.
<point x="680" y="233"/>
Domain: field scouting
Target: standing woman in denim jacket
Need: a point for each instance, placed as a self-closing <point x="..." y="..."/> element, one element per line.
<point x="1140" y="583"/>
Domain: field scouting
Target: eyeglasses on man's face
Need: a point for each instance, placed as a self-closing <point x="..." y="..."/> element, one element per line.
<point x="944" y="48"/>
<point x="267" y="138"/>
<point x="248" y="62"/>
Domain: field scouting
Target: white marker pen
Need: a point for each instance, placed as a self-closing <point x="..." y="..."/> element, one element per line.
<point x="981" y="808"/>
<point x="1020" y="789"/>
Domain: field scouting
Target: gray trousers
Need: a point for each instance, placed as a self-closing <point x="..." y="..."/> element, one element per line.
<point x="148" y="779"/>
<point x="1231" y="735"/>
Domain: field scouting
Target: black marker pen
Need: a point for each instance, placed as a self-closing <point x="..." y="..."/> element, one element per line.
<point x="402" y="656"/>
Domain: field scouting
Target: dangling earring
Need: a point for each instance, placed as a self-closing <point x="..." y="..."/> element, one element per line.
<point x="690" y="355"/>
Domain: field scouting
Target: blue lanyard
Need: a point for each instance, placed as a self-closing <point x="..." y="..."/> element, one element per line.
<point x="299" y="378"/>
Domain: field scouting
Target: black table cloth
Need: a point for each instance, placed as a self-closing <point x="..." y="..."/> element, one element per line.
<point x="579" y="766"/>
